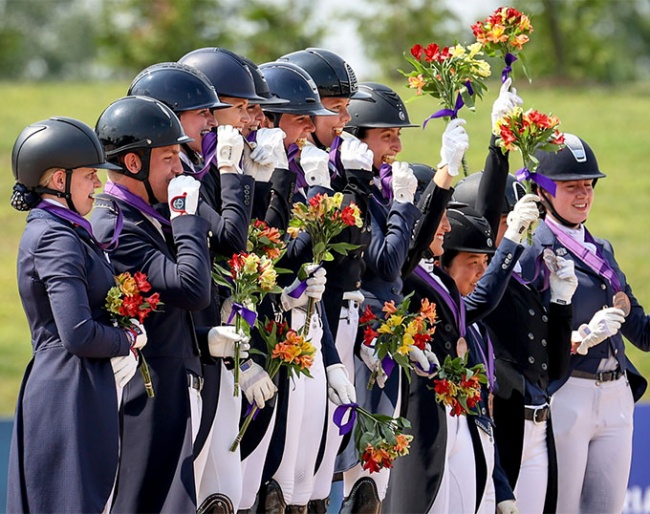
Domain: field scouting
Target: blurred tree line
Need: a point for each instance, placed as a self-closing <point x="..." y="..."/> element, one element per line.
<point x="606" y="41"/>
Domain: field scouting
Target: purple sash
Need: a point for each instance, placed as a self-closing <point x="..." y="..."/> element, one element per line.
<point x="489" y="360"/>
<point x="292" y="154"/>
<point x="595" y="261"/>
<point x="457" y="310"/>
<point x="386" y="181"/>
<point x="122" y="193"/>
<point x="335" y="156"/>
<point x="209" y="152"/>
<point x="77" y="219"/>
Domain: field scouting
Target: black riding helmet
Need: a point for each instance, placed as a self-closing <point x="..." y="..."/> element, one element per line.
<point x="470" y="232"/>
<point x="287" y="80"/>
<point x="57" y="142"/>
<point x="261" y="85"/>
<point x="227" y="72"/>
<point x="466" y="191"/>
<point x="384" y="109"/>
<point x="333" y="76"/>
<point x="138" y="124"/>
<point x="575" y="161"/>
<point x="179" y="86"/>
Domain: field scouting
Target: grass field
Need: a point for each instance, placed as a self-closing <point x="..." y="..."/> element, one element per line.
<point x="614" y="122"/>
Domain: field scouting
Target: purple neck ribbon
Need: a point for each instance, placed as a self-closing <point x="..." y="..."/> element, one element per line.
<point x="596" y="261"/>
<point x="458" y="311"/>
<point x="388" y="364"/>
<point x="541" y="180"/>
<point x="509" y="58"/>
<point x="248" y="315"/>
<point x="209" y="152"/>
<point x="300" y="288"/>
<point x="77" y="219"/>
<point x="335" y="156"/>
<point x="122" y="193"/>
<point x="452" y="113"/>
<point x="386" y="181"/>
<point x="340" y="413"/>
<point x="489" y="359"/>
<point x="292" y="154"/>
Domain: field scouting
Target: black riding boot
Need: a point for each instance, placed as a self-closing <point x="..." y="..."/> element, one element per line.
<point x="216" y="504"/>
<point x="271" y="499"/>
<point x="363" y="499"/>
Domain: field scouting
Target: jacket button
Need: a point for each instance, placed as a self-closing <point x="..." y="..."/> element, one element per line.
<point x="531" y="336"/>
<point x="531" y="360"/>
<point x="544" y="366"/>
<point x="357" y="284"/>
<point x="483" y="411"/>
<point x="531" y="312"/>
<point x="448" y="345"/>
<point x="509" y="256"/>
<point x="544" y="343"/>
<point x="394" y="290"/>
<point x="448" y="327"/>
<point x="544" y="318"/>
<point x="603" y="286"/>
<point x="504" y="266"/>
<point x="210" y="233"/>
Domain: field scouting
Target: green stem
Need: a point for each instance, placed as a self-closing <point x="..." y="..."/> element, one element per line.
<point x="243" y="428"/>
<point x="146" y="376"/>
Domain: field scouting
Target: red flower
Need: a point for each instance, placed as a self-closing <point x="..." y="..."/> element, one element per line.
<point x="367" y="316"/>
<point x="442" y="387"/>
<point x="432" y="52"/>
<point x="315" y="200"/>
<point x="420" y="340"/>
<point x="416" y="51"/>
<point x="368" y="335"/>
<point x="141" y="281"/>
<point x="131" y="305"/>
<point x="347" y="216"/>
<point x="153" y="300"/>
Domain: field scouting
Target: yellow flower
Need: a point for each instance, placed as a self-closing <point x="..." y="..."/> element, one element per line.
<point x="128" y="284"/>
<point x="457" y="51"/>
<point x="250" y="263"/>
<point x="412" y="328"/>
<point x="404" y="348"/>
<point x="293" y="232"/>
<point x="524" y="23"/>
<point x="395" y="320"/>
<point x="483" y="68"/>
<point x="385" y="329"/>
<point x="268" y="278"/>
<point x="474" y="49"/>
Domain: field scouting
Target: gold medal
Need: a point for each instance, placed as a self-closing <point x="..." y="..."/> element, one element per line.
<point x="461" y="347"/>
<point x="622" y="301"/>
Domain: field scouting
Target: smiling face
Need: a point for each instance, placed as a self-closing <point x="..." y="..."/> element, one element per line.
<point x="196" y="124"/>
<point x="573" y="200"/>
<point x="257" y="118"/>
<point x="164" y="165"/>
<point x="296" y="126"/>
<point x="385" y="143"/>
<point x="436" y="245"/>
<point x="466" y="269"/>
<point x="328" y="127"/>
<point x="237" y="115"/>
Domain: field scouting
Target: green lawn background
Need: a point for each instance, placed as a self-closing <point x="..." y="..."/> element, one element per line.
<point x="614" y="122"/>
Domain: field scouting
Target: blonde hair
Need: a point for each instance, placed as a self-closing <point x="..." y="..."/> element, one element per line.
<point x="47" y="176"/>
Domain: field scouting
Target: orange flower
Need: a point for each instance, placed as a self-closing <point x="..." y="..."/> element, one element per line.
<point x="389" y="308"/>
<point x="428" y="310"/>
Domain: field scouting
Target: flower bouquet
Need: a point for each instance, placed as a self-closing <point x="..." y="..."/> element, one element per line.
<point x="504" y="33"/>
<point x="249" y="277"/>
<point x="125" y="301"/>
<point x="454" y="75"/>
<point x="458" y="386"/>
<point x="397" y="333"/>
<point x="379" y="439"/>
<point x="285" y="347"/>
<point x="323" y="219"/>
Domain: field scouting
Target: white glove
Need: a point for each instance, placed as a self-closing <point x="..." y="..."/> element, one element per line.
<point x="256" y="383"/>
<point x="605" y="323"/>
<point x="356" y="155"/>
<point x="339" y="388"/>
<point x="524" y="214"/>
<point x="505" y="102"/>
<point x="315" y="287"/>
<point x="563" y="281"/>
<point x="272" y="140"/>
<point x="315" y="163"/>
<point x="124" y="368"/>
<point x="183" y="195"/>
<point x="507" y="506"/>
<point x="426" y="359"/>
<point x="140" y="333"/>
<point x="455" y="143"/>
<point x="258" y="163"/>
<point x="370" y="359"/>
<point x="222" y="339"/>
<point x="404" y="183"/>
<point x="230" y="145"/>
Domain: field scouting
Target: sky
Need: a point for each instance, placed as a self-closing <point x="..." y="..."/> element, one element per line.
<point x="344" y="41"/>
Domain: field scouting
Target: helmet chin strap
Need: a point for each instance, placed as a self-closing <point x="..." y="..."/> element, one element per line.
<point x="66" y="194"/>
<point x="546" y="202"/>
